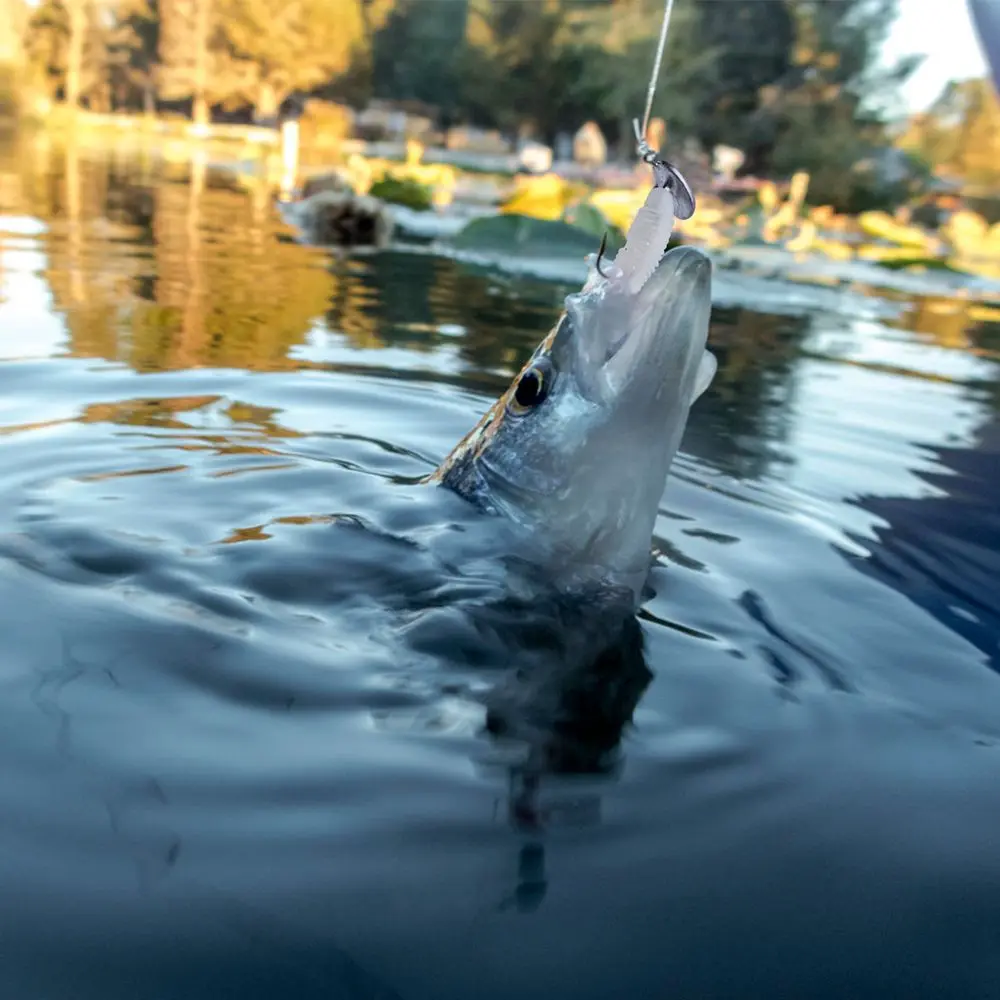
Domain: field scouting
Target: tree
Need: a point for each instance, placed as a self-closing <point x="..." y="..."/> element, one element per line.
<point x="76" y="15"/>
<point x="551" y="65"/>
<point x="295" y="45"/>
<point x="68" y="42"/>
<point x="13" y="25"/>
<point x="186" y="39"/>
<point x="137" y="39"/>
<point x="752" y="44"/>
<point x="415" y="54"/>
<point x="614" y="46"/>
<point x="960" y="132"/>
<point x="515" y="66"/>
<point x="826" y="112"/>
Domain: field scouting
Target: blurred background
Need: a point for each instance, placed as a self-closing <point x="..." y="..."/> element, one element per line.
<point x="856" y="93"/>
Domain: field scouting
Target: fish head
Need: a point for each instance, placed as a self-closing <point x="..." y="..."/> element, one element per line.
<point x="579" y="447"/>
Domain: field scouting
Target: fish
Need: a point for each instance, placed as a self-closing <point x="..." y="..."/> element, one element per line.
<point x="577" y="451"/>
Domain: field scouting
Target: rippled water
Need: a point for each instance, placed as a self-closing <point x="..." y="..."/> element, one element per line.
<point x="242" y="719"/>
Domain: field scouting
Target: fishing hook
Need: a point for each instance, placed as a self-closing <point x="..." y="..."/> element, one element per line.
<point x="600" y="254"/>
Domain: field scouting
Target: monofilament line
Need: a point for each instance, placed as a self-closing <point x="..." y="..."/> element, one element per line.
<point x="650" y="93"/>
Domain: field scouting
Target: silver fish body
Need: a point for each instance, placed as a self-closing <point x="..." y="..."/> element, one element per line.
<point x="578" y="449"/>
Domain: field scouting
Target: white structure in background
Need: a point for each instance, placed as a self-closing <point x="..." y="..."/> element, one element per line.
<point x="289" y="156"/>
<point x="726" y="160"/>
<point x="535" y="157"/>
<point x="589" y="146"/>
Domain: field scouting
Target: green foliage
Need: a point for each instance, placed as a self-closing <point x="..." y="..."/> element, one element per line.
<point x="290" y="46"/>
<point x="53" y="29"/>
<point x="402" y="191"/>
<point x="793" y="83"/>
<point x="590" y="219"/>
<point x="821" y="116"/>
<point x="614" y="46"/>
<point x="417" y="54"/>
<point x="550" y="65"/>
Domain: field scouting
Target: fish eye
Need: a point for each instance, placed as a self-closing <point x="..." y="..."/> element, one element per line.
<point x="532" y="387"/>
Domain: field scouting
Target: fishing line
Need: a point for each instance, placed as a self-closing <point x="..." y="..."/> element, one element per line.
<point x="640" y="134"/>
<point x="670" y="198"/>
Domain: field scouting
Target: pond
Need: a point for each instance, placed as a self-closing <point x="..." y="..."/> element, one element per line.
<point x="225" y="773"/>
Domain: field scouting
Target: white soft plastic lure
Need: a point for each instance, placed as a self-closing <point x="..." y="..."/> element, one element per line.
<point x="646" y="242"/>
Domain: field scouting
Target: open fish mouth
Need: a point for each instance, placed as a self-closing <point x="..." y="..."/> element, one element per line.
<point x="626" y="338"/>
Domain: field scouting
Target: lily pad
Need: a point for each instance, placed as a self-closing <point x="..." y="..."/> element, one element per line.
<point x="521" y="234"/>
<point x="402" y="191"/>
<point x="592" y="220"/>
<point x="930" y="263"/>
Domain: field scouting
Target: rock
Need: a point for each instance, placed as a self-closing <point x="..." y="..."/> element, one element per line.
<point x="341" y="218"/>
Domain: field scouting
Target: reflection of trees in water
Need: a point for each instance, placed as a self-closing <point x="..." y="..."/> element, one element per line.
<point x="228" y="291"/>
<point x="409" y="300"/>
<point x="89" y="279"/>
<point x="569" y="720"/>
<point x="505" y="325"/>
<point x="942" y="551"/>
<point x="984" y="340"/>
<point x="351" y="308"/>
<point x="223" y="286"/>
<point x="743" y="420"/>
<point x="421" y="301"/>
<point x="943" y="319"/>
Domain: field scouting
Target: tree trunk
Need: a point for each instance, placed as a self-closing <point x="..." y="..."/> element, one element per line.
<point x="74" y="59"/>
<point x="200" y="104"/>
<point x="199" y="110"/>
<point x="266" y="108"/>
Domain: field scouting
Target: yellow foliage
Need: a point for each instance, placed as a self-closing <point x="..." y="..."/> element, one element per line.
<point x="966" y="232"/>
<point x="883" y="226"/>
<point x="544" y="197"/>
<point x="619" y="205"/>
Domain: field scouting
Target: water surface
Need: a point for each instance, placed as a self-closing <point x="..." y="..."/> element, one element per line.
<point x="243" y="718"/>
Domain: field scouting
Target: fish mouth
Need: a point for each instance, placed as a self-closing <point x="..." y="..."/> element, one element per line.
<point x="639" y="338"/>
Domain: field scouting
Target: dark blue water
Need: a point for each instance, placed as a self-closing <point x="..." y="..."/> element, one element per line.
<point x="271" y="727"/>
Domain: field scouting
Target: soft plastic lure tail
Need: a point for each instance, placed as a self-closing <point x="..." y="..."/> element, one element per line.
<point x="649" y="234"/>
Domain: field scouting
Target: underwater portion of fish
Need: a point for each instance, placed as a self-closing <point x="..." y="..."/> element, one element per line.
<point x="578" y="449"/>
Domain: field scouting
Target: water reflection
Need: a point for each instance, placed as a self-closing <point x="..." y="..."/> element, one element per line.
<point x="321" y="697"/>
<point x="942" y="549"/>
<point x="567" y="716"/>
<point x="220" y="284"/>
